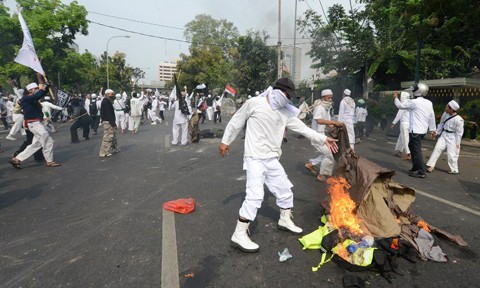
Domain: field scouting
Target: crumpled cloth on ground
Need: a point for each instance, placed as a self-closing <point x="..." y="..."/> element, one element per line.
<point x="427" y="249"/>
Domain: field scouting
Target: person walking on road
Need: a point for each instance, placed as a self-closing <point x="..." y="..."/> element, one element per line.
<point x="82" y="120"/>
<point x="361" y="114"/>
<point x="107" y="114"/>
<point x="94" y="112"/>
<point x="450" y="130"/>
<point x="401" y="148"/>
<point x="322" y="118"/>
<point x="33" y="118"/>
<point x="346" y="114"/>
<point x="180" y="123"/>
<point x="422" y="119"/>
<point x="267" y="116"/>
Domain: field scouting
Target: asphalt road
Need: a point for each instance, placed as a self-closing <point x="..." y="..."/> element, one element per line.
<point x="100" y="223"/>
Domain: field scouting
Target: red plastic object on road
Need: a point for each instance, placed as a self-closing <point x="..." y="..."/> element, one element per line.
<point x="182" y="205"/>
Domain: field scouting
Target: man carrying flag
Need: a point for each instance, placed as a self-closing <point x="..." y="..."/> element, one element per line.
<point x="33" y="116"/>
<point x="180" y="118"/>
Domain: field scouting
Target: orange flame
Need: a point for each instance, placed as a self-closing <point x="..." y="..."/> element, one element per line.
<point x="342" y="206"/>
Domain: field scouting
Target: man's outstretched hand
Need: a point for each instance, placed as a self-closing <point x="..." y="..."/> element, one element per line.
<point x="332" y="144"/>
<point x="223" y="149"/>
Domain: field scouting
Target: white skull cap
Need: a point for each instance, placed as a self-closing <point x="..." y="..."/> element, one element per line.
<point x="326" y="92"/>
<point x="454" y="105"/>
<point x="31" y="86"/>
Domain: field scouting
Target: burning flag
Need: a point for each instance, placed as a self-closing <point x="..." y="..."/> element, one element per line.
<point x="342" y="207"/>
<point x="27" y="55"/>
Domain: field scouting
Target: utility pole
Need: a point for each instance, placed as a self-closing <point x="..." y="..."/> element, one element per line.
<point x="294" y="59"/>
<point x="279" y="44"/>
<point x="419" y="46"/>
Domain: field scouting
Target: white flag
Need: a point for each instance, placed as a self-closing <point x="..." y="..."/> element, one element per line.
<point x="27" y="55"/>
<point x="172" y="96"/>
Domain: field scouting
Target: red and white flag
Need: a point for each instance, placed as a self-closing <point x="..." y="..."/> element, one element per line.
<point x="27" y="55"/>
<point x="230" y="90"/>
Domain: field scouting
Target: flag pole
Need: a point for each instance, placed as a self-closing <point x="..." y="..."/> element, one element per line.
<point x="49" y="87"/>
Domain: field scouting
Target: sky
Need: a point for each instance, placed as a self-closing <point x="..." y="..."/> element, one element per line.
<point x="170" y="18"/>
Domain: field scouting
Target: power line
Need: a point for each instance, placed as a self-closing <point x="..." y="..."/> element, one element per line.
<point x="136" y="21"/>
<point x="149" y="35"/>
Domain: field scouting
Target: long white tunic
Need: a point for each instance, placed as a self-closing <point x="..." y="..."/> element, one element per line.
<point x="422" y="116"/>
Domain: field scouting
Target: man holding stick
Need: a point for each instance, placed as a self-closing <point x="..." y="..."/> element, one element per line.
<point x="33" y="116"/>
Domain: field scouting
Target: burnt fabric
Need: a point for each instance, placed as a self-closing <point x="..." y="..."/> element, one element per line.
<point x="383" y="205"/>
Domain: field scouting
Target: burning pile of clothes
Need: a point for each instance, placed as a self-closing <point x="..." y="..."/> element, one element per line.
<point x="369" y="219"/>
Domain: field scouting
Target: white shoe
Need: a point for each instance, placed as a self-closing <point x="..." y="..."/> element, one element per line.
<point x="10" y="137"/>
<point x="154" y="123"/>
<point x="241" y="240"/>
<point x="285" y="222"/>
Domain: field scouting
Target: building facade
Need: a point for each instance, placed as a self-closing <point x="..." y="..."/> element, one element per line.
<point x="292" y="61"/>
<point x="166" y="71"/>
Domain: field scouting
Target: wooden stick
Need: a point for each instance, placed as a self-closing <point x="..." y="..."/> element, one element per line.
<point x="71" y="120"/>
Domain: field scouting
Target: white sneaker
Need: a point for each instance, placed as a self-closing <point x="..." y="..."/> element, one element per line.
<point x="241" y="240"/>
<point x="285" y="222"/>
<point x="154" y="123"/>
<point x="10" y="137"/>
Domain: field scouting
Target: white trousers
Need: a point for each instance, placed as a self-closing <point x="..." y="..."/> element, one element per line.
<point x="351" y="133"/>
<point x="133" y="122"/>
<point x="402" y="141"/>
<point x="209" y="113"/>
<point x="41" y="139"/>
<point x="152" y="114"/>
<point x="18" y="124"/>
<point x="271" y="173"/>
<point x="176" y="131"/>
<point x="120" y="120"/>
<point x="324" y="159"/>
<point x="446" y="140"/>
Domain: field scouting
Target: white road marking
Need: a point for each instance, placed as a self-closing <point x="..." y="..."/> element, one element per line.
<point x="170" y="278"/>
<point x="453" y="204"/>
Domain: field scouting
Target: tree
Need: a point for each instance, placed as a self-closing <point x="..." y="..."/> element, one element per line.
<point x="212" y="47"/>
<point x="53" y="26"/>
<point x="79" y="73"/>
<point x="344" y="43"/>
<point x="255" y="63"/>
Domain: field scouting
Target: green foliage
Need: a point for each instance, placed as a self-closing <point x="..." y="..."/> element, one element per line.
<point x="382" y="106"/>
<point x="211" y="52"/>
<point x="384" y="36"/>
<point x="255" y="64"/>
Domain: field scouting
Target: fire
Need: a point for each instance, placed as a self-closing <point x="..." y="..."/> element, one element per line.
<point x="342" y="206"/>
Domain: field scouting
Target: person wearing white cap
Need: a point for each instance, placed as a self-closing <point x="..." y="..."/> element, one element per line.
<point x="107" y="115"/>
<point x="361" y="114"/>
<point x="450" y="130"/>
<point x="346" y="114"/>
<point x="47" y="107"/>
<point x="94" y="112"/>
<point x="152" y="112"/>
<point x="180" y="123"/>
<point x="404" y="117"/>
<point x="119" y="106"/>
<point x="321" y="119"/>
<point x="33" y="119"/>
<point x="17" y="114"/>
<point x="422" y="119"/>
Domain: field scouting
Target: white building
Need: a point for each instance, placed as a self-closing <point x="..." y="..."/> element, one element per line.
<point x="292" y="59"/>
<point x="166" y="71"/>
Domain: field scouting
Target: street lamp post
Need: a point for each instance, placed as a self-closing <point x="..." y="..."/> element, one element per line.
<point x="108" y="76"/>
